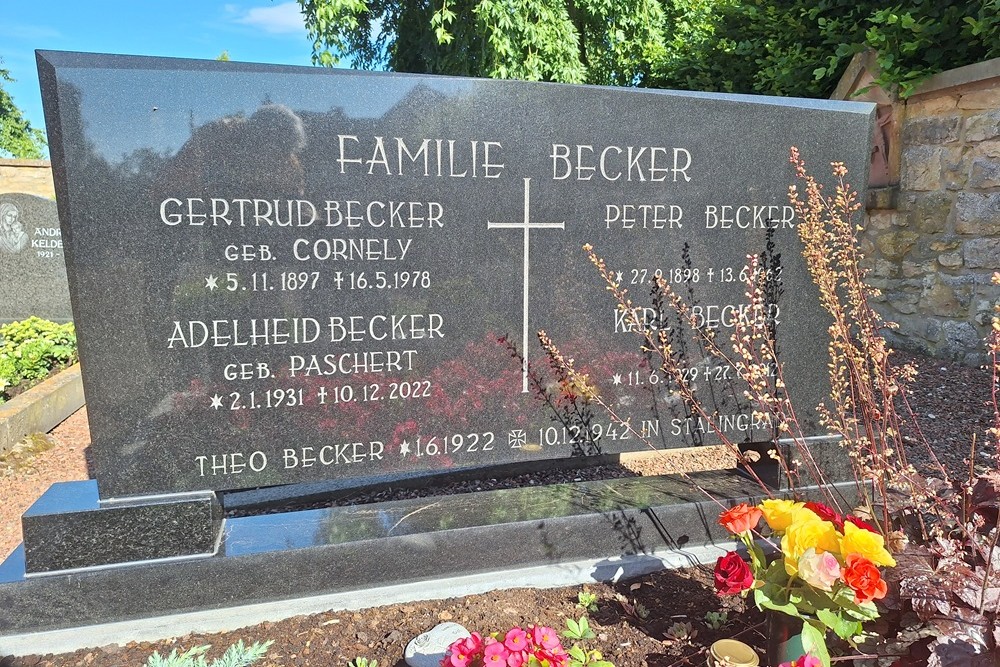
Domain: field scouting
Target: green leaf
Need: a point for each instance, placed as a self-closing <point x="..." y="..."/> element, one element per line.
<point x="844" y="628"/>
<point x="757" y="557"/>
<point x="578" y="629"/>
<point x="814" y="642"/>
<point x="764" y="602"/>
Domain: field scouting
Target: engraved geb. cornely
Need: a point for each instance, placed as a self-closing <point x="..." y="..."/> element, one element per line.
<point x="13" y="238"/>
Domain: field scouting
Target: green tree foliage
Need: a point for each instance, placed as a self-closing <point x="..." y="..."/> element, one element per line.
<point x="17" y="138"/>
<point x="762" y="46"/>
<point x="920" y="38"/>
<point x="800" y="47"/>
<point x="776" y="47"/>
<point x="609" y="42"/>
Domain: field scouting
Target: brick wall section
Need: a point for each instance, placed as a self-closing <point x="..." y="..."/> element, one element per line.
<point x="33" y="177"/>
<point x="934" y="242"/>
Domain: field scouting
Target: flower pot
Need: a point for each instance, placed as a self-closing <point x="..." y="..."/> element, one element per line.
<point x="732" y="653"/>
<point x="784" y="638"/>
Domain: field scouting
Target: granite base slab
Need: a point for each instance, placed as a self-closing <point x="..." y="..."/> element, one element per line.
<point x="420" y="542"/>
<point x="70" y="528"/>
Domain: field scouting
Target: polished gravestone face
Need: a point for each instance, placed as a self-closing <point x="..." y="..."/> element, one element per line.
<point x="290" y="274"/>
<point x="32" y="268"/>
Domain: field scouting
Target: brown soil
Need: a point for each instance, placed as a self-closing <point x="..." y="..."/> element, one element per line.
<point x="633" y="619"/>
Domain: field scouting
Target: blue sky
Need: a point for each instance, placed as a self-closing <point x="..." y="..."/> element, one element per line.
<point x="268" y="31"/>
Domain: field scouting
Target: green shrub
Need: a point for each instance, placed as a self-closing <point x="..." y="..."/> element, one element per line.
<point x="32" y="348"/>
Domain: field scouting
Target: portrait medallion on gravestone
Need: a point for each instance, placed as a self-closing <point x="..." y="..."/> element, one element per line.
<point x="32" y="268"/>
<point x="290" y="274"/>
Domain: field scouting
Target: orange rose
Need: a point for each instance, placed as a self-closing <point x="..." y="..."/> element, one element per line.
<point x="740" y="519"/>
<point x="863" y="577"/>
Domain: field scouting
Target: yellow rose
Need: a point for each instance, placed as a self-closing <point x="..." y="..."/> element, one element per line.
<point x="803" y="535"/>
<point x="779" y="513"/>
<point x="865" y="543"/>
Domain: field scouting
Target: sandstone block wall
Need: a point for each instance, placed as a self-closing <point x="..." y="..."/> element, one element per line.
<point x="33" y="177"/>
<point x="933" y="240"/>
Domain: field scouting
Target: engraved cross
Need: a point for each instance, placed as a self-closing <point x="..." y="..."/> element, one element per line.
<point x="527" y="226"/>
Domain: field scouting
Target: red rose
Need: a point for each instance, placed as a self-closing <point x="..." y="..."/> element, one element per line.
<point x="826" y="513"/>
<point x="732" y="575"/>
<point x="740" y="519"/>
<point x="861" y="524"/>
<point x="864" y="579"/>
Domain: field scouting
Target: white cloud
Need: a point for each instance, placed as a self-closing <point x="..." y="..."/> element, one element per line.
<point x="283" y="19"/>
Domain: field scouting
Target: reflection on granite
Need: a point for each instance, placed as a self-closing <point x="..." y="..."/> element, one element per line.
<point x="500" y="508"/>
<point x="63" y="497"/>
<point x="315" y="552"/>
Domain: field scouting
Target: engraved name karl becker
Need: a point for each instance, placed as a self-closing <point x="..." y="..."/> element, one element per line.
<point x="13" y="238"/>
<point x="527" y="226"/>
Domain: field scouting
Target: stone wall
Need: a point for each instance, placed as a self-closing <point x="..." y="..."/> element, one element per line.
<point x="33" y="177"/>
<point x="933" y="238"/>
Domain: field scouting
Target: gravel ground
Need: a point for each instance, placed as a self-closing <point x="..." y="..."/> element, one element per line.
<point x="633" y="618"/>
<point x="26" y="474"/>
<point x="951" y="402"/>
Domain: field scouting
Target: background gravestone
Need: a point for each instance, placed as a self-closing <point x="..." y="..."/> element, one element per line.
<point x="32" y="268"/>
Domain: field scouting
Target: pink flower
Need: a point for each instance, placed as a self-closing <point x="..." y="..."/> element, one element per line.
<point x="819" y="570"/>
<point x="457" y="656"/>
<point x="516" y="639"/>
<point x="474" y="643"/>
<point x="463" y="651"/>
<point x="517" y="659"/>
<point x="550" y="658"/>
<point x="559" y="656"/>
<point x="804" y="661"/>
<point x="545" y="637"/>
<point x="495" y="655"/>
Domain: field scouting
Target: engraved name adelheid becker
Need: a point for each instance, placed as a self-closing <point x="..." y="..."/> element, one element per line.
<point x="289" y="274"/>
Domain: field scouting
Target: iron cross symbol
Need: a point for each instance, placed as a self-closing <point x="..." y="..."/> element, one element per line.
<point x="527" y="226"/>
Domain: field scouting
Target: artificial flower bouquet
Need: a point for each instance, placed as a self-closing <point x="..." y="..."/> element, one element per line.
<point x="538" y="646"/>
<point x="826" y="573"/>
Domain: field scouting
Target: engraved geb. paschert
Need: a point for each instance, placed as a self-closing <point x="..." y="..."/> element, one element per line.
<point x="287" y="275"/>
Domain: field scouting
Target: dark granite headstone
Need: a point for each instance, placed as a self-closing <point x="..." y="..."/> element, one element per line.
<point x="32" y="268"/>
<point x="286" y="275"/>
